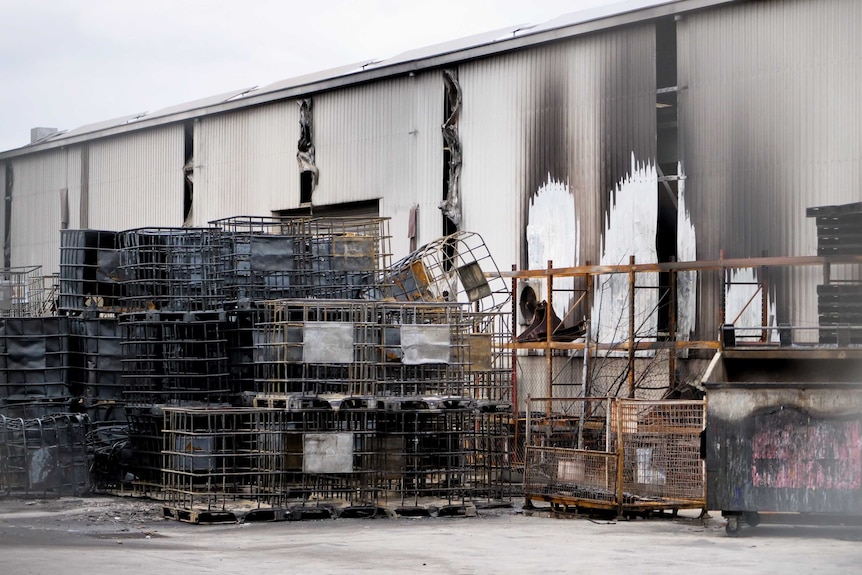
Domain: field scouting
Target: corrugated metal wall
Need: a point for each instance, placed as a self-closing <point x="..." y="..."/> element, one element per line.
<point x="770" y="120"/>
<point x="36" y="206"/>
<point x="572" y="112"/>
<point x="383" y="140"/>
<point x="2" y="213"/>
<point x="245" y="162"/>
<point x="136" y="179"/>
<point x="372" y="141"/>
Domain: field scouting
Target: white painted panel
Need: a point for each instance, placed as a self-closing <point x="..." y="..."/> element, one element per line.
<point x="35" y="235"/>
<point x="245" y="162"/>
<point x="2" y="212"/>
<point x="383" y="140"/>
<point x="136" y="180"/>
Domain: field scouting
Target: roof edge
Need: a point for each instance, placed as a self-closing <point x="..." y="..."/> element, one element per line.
<point x="386" y="71"/>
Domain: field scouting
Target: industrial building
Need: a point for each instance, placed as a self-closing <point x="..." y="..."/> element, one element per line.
<point x="696" y="125"/>
<point x="648" y="132"/>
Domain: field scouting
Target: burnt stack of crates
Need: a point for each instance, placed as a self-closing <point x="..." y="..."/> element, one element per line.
<point x="839" y="302"/>
<point x="283" y="363"/>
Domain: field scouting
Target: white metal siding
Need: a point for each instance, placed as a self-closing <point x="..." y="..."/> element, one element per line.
<point x="383" y="140"/>
<point x="771" y="123"/>
<point x="2" y="212"/>
<point x="571" y="112"/>
<point x="37" y="181"/>
<point x="245" y="162"/>
<point x="137" y="179"/>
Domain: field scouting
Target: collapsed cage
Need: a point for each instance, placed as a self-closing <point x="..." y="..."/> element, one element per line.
<point x="456" y="268"/>
<point x="622" y="455"/>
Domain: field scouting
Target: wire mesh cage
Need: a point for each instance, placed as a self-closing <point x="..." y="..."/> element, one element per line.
<point x="615" y="454"/>
<point x="455" y="268"/>
<point x="342" y="258"/>
<point x="96" y="368"/>
<point x="258" y="257"/>
<point x="316" y="347"/>
<point x="44" y="457"/>
<point x="89" y="271"/>
<point x="171" y="269"/>
<point x="174" y="356"/>
<point x="283" y="258"/>
<point x="23" y="293"/>
<point x="34" y="360"/>
<point x="423" y="349"/>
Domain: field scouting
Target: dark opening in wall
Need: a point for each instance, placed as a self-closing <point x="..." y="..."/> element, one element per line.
<point x="363" y="209"/>
<point x="306" y="186"/>
<point x="668" y="158"/>
<point x="188" y="172"/>
<point x="451" y="202"/>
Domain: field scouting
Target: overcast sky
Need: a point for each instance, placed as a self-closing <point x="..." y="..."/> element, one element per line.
<point x="66" y="63"/>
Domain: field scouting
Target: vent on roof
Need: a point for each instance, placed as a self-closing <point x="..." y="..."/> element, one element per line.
<point x="37" y="134"/>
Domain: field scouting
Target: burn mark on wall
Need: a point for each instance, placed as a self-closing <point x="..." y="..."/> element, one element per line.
<point x="309" y="174"/>
<point x="451" y="204"/>
<point x="546" y="137"/>
<point x="627" y="109"/>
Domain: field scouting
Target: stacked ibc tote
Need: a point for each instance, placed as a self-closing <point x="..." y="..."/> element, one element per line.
<point x="286" y="367"/>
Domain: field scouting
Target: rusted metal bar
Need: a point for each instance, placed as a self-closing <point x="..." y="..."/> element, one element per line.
<point x="632" y="308"/>
<point x="620" y="455"/>
<point x="587" y="388"/>
<point x="620" y="346"/>
<point x="748" y="303"/>
<point x="671" y="330"/>
<point x="701" y="265"/>
<point x="549" y="329"/>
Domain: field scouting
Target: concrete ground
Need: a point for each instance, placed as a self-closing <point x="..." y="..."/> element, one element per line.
<point x="128" y="537"/>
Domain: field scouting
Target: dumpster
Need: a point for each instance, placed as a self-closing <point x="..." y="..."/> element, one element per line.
<point x="784" y="433"/>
